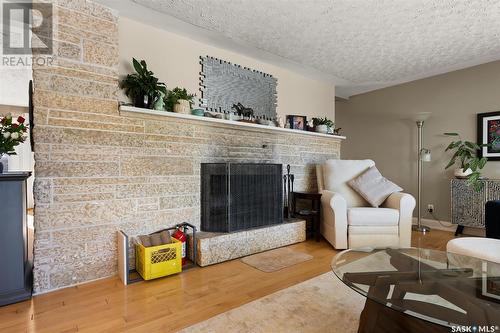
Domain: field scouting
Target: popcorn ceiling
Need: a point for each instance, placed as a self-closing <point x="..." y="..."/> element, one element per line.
<point x="364" y="42"/>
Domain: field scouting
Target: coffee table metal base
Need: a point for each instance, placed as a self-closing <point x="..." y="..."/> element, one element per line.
<point x="378" y="318"/>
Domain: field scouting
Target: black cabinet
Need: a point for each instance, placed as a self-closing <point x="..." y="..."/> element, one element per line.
<point x="15" y="239"/>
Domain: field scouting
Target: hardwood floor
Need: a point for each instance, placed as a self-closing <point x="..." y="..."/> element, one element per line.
<point x="172" y="303"/>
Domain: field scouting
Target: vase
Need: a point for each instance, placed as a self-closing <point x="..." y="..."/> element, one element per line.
<point x="143" y="101"/>
<point x="4" y="163"/>
<point x="182" y="106"/>
<point x="460" y="173"/>
<point x="322" y="129"/>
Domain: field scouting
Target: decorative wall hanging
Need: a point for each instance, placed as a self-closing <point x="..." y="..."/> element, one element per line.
<point x="224" y="85"/>
<point x="488" y="132"/>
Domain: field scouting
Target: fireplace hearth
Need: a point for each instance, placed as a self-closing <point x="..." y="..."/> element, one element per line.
<point x="240" y="196"/>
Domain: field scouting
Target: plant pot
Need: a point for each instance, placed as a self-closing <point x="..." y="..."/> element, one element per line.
<point x="322" y="129"/>
<point x="460" y="173"/>
<point x="143" y="101"/>
<point x="4" y="163"/>
<point x="182" y="106"/>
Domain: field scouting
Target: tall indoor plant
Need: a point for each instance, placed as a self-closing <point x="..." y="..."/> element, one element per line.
<point x="465" y="155"/>
<point x="142" y="87"/>
<point x="12" y="133"/>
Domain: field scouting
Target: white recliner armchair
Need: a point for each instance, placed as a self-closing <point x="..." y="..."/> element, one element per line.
<point x="348" y="220"/>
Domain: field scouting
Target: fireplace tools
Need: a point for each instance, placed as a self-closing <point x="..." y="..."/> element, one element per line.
<point x="288" y="180"/>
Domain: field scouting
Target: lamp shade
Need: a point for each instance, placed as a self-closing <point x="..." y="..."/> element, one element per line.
<point x="421" y="116"/>
<point x="425" y="155"/>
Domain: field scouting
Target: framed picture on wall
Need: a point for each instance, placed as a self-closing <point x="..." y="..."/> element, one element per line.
<point x="488" y="132"/>
<point x="297" y="122"/>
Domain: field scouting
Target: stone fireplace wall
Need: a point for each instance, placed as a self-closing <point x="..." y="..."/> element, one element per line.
<point x="98" y="171"/>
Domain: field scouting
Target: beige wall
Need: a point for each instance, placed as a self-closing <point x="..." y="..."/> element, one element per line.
<point x="175" y="60"/>
<point x="378" y="127"/>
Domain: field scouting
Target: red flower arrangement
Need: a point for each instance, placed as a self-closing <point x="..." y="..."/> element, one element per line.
<point x="11" y="134"/>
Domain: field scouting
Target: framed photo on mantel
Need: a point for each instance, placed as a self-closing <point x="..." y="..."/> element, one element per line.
<point x="297" y="122"/>
<point x="488" y="132"/>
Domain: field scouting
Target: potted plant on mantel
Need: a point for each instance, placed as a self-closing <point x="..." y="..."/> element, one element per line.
<point x="323" y="125"/>
<point x="12" y="133"/>
<point x="142" y="87"/>
<point x="179" y="100"/>
<point x="466" y="156"/>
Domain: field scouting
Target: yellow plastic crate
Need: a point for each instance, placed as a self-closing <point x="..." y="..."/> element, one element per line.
<point x="157" y="261"/>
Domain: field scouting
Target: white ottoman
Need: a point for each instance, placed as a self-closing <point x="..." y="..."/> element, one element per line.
<point x="477" y="247"/>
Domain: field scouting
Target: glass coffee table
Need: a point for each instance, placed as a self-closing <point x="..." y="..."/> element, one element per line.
<point x="422" y="290"/>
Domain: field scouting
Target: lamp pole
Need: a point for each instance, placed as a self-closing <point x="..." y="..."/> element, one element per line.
<point x="419" y="227"/>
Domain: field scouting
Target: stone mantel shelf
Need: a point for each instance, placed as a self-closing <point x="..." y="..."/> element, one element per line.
<point x="134" y="111"/>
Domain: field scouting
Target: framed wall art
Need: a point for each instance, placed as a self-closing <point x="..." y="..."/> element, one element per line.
<point x="488" y="132"/>
<point x="297" y="122"/>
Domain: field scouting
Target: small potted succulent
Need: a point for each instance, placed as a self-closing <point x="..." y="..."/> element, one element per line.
<point x="12" y="133"/>
<point x="179" y="100"/>
<point x="322" y="125"/>
<point x="142" y="87"/>
<point x="469" y="163"/>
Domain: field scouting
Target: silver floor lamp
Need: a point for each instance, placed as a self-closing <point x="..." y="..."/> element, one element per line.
<point x="423" y="155"/>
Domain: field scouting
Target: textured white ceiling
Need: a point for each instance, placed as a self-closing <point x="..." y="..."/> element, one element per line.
<point x="367" y="43"/>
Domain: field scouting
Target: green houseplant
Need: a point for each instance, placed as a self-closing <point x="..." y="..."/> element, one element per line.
<point x="179" y="100"/>
<point x="142" y="87"/>
<point x="465" y="154"/>
<point x="322" y="125"/>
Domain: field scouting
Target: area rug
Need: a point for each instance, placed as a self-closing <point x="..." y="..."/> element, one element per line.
<point x="275" y="260"/>
<point x="321" y="304"/>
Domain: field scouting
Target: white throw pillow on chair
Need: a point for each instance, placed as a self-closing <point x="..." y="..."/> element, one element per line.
<point x="374" y="187"/>
<point x="336" y="174"/>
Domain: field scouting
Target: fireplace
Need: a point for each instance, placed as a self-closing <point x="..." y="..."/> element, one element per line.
<point x="240" y="196"/>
